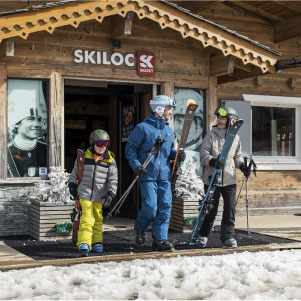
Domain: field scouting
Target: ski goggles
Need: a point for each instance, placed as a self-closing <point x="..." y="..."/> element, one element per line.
<point x="102" y="143"/>
<point x="221" y="112"/>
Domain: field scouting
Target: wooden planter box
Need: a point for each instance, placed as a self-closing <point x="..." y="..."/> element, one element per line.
<point x="45" y="216"/>
<point x="182" y="209"/>
<point x="185" y="208"/>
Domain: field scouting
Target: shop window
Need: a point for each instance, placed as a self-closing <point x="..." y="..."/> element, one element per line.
<point x="273" y="131"/>
<point x="27" y="124"/>
<point x="195" y="137"/>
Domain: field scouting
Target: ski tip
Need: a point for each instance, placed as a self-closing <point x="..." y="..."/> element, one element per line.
<point x="190" y="102"/>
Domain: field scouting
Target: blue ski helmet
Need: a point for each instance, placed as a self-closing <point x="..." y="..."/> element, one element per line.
<point x="159" y="102"/>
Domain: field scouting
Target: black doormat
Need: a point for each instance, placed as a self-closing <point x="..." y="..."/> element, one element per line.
<point x="123" y="242"/>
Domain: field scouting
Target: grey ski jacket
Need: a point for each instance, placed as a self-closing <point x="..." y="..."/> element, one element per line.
<point x="98" y="178"/>
<point x="211" y="147"/>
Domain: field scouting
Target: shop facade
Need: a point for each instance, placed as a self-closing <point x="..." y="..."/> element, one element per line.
<point x="73" y="67"/>
<point x="273" y="100"/>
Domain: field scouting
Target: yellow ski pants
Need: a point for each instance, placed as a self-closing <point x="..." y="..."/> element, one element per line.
<point x="90" y="226"/>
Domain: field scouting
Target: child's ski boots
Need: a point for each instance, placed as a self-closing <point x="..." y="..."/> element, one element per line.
<point x="84" y="250"/>
<point x="97" y="247"/>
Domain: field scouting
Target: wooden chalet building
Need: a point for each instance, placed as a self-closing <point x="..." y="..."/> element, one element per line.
<point x="82" y="65"/>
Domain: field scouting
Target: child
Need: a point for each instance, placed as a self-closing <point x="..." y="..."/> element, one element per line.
<point x="96" y="191"/>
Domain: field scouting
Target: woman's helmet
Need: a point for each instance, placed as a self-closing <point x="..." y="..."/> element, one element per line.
<point x="227" y="112"/>
<point x="159" y="102"/>
<point x="100" y="138"/>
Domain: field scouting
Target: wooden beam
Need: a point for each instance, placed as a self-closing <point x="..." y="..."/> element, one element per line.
<point x="292" y="82"/>
<point x="290" y="5"/>
<point x="204" y="6"/>
<point x="3" y="118"/>
<point x="212" y="102"/>
<point x="253" y="11"/>
<point x="238" y="75"/>
<point x="128" y="23"/>
<point x="288" y="29"/>
<point x="167" y="88"/>
<point x="258" y="81"/>
<point x="56" y="122"/>
<point x="221" y="65"/>
<point x="122" y="26"/>
<point x="10" y="47"/>
<point x="245" y="67"/>
<point x="288" y="63"/>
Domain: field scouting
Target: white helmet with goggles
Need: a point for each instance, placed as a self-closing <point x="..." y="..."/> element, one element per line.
<point x="159" y="102"/>
<point x="227" y="112"/>
<point x="100" y="138"/>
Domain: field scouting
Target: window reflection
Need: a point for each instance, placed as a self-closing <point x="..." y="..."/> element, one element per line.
<point x="273" y="131"/>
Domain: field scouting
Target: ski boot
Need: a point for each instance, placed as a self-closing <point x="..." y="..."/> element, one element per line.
<point x="162" y="246"/>
<point x="97" y="247"/>
<point x="84" y="250"/>
<point x="140" y="238"/>
<point x="229" y="243"/>
<point x="202" y="241"/>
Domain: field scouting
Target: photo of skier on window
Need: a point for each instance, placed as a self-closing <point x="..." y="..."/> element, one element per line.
<point x="196" y="131"/>
<point x="27" y="128"/>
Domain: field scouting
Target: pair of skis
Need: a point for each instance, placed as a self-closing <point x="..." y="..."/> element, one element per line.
<point x="191" y="107"/>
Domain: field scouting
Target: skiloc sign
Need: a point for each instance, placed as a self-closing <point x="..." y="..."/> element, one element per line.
<point x="144" y="60"/>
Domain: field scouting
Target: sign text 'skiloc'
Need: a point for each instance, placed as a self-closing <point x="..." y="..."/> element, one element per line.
<point x="102" y="57"/>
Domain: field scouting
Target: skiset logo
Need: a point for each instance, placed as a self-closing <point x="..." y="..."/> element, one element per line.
<point x="145" y="63"/>
<point x="145" y="60"/>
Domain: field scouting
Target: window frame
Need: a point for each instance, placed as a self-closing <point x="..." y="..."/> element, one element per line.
<point x="279" y="162"/>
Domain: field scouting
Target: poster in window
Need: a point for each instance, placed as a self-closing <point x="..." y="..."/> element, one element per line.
<point x="27" y="121"/>
<point x="196" y="131"/>
<point x="127" y="120"/>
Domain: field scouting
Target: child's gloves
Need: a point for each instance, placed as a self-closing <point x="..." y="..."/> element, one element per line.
<point x="108" y="200"/>
<point x="73" y="189"/>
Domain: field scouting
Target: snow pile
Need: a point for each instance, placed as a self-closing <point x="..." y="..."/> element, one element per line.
<point x="188" y="184"/>
<point x="56" y="189"/>
<point x="239" y="276"/>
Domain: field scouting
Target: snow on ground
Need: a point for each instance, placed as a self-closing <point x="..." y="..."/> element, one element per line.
<point x="254" y="276"/>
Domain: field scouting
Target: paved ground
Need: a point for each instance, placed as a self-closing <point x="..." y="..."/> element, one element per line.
<point x="285" y="226"/>
<point x="281" y="226"/>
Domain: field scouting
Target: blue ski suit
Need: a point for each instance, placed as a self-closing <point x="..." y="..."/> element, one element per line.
<point x="155" y="185"/>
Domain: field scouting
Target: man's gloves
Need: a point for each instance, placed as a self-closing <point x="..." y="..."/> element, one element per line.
<point x="245" y="170"/>
<point x="213" y="162"/>
<point x="108" y="200"/>
<point x="181" y="156"/>
<point x="140" y="171"/>
<point x="73" y="189"/>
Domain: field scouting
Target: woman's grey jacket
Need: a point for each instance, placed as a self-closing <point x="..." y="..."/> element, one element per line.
<point x="99" y="178"/>
<point x="211" y="147"/>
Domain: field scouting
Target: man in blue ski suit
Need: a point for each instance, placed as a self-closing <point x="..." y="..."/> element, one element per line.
<point x="154" y="180"/>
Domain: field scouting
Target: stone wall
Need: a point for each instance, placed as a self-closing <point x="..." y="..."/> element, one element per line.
<point x="14" y="208"/>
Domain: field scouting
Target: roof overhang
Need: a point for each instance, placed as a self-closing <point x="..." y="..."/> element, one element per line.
<point x="167" y="16"/>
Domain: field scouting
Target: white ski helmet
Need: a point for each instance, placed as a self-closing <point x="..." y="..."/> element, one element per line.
<point x="159" y="102"/>
<point x="25" y="98"/>
<point x="99" y="135"/>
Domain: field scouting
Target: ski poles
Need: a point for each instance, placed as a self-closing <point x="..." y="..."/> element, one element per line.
<point x="245" y="181"/>
<point x="154" y="152"/>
